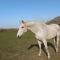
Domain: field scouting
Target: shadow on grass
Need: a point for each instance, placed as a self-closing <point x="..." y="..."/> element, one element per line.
<point x="42" y="47"/>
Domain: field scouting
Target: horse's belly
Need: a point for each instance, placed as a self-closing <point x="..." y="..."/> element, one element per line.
<point x="41" y="34"/>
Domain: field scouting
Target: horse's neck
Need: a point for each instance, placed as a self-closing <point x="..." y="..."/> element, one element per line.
<point x="36" y="27"/>
<point x="33" y="28"/>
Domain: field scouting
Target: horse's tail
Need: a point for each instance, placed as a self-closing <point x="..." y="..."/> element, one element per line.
<point x="59" y="31"/>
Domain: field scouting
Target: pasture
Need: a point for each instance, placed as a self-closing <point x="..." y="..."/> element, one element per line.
<point x="26" y="48"/>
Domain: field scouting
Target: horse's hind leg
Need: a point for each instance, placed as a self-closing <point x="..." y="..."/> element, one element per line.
<point x="58" y="35"/>
<point x="55" y="40"/>
<point x="57" y="43"/>
<point x="46" y="47"/>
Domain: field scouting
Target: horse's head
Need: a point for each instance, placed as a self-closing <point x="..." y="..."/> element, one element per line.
<point x="22" y="29"/>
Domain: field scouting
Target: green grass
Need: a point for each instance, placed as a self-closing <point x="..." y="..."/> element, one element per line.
<point x="12" y="48"/>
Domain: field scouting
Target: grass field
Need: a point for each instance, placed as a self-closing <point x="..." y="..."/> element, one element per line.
<point x="26" y="48"/>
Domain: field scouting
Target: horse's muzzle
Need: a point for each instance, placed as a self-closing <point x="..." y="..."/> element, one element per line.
<point x="18" y="37"/>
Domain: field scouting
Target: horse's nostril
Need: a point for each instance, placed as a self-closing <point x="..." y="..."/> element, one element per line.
<point x="18" y="36"/>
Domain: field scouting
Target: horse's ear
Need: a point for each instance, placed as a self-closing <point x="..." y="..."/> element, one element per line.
<point x="22" y="21"/>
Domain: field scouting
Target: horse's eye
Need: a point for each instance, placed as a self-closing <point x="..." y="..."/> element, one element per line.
<point x="22" y="27"/>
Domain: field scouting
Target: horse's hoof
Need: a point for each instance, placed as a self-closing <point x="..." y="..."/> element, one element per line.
<point x="56" y="50"/>
<point x="48" y="57"/>
<point x="39" y="54"/>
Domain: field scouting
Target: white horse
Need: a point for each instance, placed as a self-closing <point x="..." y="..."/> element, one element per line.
<point x="42" y="32"/>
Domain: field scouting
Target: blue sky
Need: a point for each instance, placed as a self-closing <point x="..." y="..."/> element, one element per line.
<point x="11" y="11"/>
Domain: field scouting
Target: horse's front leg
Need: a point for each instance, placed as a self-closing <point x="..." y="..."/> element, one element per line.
<point x="46" y="47"/>
<point x="39" y="43"/>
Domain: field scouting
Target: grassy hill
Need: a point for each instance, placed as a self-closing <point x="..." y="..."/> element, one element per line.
<point x="56" y="20"/>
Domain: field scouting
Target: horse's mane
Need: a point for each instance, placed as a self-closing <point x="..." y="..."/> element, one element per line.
<point x="36" y="24"/>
